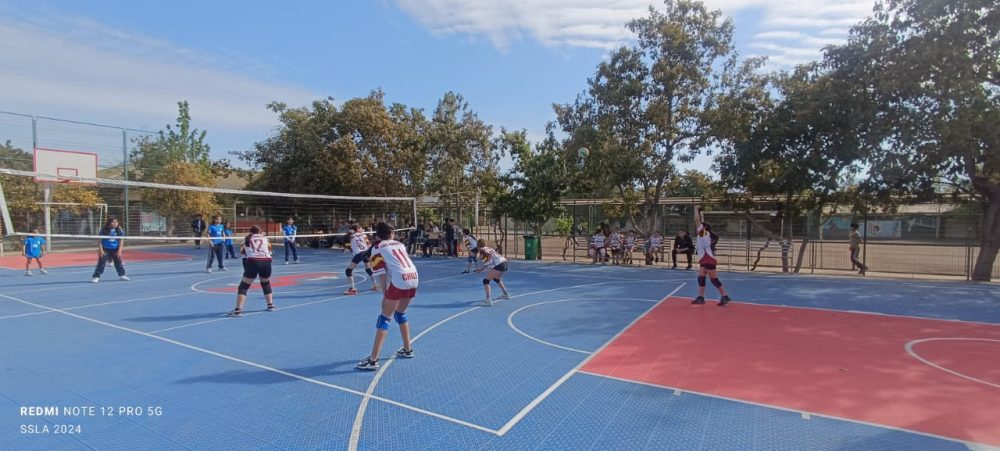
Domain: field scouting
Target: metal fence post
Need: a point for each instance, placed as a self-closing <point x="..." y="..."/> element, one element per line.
<point x="125" y="175"/>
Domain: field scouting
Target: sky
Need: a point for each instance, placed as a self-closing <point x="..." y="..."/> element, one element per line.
<point x="127" y="63"/>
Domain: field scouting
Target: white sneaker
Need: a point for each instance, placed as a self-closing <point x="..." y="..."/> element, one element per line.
<point x="43" y="271"/>
<point x="487" y="303"/>
<point x="504" y="296"/>
<point x="28" y="273"/>
<point x="223" y="269"/>
<point x="286" y="262"/>
<point x="95" y="280"/>
<point x="208" y="270"/>
<point x="124" y="278"/>
<point x="296" y="262"/>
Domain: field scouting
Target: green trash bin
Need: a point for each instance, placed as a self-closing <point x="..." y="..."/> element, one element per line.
<point x="531" y="247"/>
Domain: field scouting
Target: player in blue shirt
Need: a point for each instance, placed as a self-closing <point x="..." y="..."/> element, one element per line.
<point x="33" y="250"/>
<point x="110" y="248"/>
<point x="215" y="232"/>
<point x="290" y="230"/>
<point x="228" y="232"/>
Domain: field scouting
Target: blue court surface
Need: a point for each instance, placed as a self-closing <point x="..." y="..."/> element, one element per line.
<point x="153" y="363"/>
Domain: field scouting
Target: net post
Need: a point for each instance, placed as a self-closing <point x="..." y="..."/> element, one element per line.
<point x="475" y="222"/>
<point x="415" y="220"/>
<point x="48" y="217"/>
<point x="5" y="213"/>
<point x="125" y="175"/>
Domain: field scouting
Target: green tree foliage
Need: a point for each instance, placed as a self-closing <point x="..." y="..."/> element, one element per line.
<point x="182" y="204"/>
<point x="535" y="183"/>
<point x="655" y="102"/>
<point x="178" y="143"/>
<point x="930" y="70"/>
<point x="363" y="148"/>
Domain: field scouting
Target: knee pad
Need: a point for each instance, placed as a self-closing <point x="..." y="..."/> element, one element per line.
<point x="383" y="322"/>
<point x="266" y="286"/>
<point x="242" y="289"/>
<point x="486" y="281"/>
<point x="716" y="282"/>
<point x="701" y="281"/>
<point x="497" y="281"/>
<point x="349" y="271"/>
<point x="400" y="317"/>
<point x="369" y="271"/>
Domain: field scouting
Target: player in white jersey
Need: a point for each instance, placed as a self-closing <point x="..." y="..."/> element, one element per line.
<point x="597" y="249"/>
<point x="473" y="245"/>
<point x="256" y="250"/>
<point x="705" y="244"/>
<point x="362" y="253"/>
<point x="398" y="278"/>
<point x="496" y="264"/>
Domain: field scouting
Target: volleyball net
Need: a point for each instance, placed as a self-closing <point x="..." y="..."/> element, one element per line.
<point x="70" y="209"/>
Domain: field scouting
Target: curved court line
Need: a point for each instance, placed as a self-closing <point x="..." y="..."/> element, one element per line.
<point x="193" y="287"/>
<point x="369" y="393"/>
<point x="510" y="319"/>
<point x="909" y="350"/>
<point x="256" y="365"/>
<point x="215" y="320"/>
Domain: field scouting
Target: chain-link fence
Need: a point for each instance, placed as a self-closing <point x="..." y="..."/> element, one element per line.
<point x="926" y="239"/>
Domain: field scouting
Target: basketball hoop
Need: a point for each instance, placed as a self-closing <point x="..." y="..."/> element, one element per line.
<point x="63" y="180"/>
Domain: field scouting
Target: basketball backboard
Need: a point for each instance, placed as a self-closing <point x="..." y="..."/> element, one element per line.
<point x="57" y="163"/>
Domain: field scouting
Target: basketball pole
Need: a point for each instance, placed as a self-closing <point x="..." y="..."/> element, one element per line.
<point x="48" y="217"/>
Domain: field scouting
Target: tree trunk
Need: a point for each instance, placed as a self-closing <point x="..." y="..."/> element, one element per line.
<point x="802" y="254"/>
<point x="989" y="242"/>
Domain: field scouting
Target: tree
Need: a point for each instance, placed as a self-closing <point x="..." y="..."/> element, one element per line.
<point x="536" y="182"/>
<point x="801" y="149"/>
<point x="931" y="70"/>
<point x="362" y="148"/>
<point x="178" y="143"/>
<point x="460" y="150"/>
<point x="655" y="102"/>
<point x="173" y="204"/>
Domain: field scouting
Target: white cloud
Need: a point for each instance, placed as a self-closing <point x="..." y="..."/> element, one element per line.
<point x="601" y="23"/>
<point x="68" y="65"/>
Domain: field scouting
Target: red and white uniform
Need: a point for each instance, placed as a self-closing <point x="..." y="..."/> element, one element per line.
<point x="359" y="243"/>
<point x="703" y="244"/>
<point x="389" y="257"/>
<point x="257" y="247"/>
<point x="492" y="258"/>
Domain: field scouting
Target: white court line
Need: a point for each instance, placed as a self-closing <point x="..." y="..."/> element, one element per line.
<point x="360" y="416"/>
<point x="257" y="365"/>
<point x="535" y="402"/>
<point x="162" y="262"/>
<point x="803" y="413"/>
<point x="215" y="320"/>
<point x="909" y="350"/>
<point x="859" y="312"/>
<point x="86" y="283"/>
<point x="97" y="305"/>
<point x="510" y="319"/>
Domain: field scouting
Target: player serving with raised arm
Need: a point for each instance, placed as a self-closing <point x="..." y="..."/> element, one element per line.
<point x="398" y="278"/>
<point x="707" y="261"/>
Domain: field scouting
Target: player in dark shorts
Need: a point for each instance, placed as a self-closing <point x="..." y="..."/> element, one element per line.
<point x="705" y="243"/>
<point x="362" y="254"/>
<point x="256" y="250"/>
<point x="496" y="264"/>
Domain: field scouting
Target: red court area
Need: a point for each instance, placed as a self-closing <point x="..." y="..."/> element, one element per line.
<point x="85" y="258"/>
<point x="849" y="365"/>
<point x="278" y="281"/>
